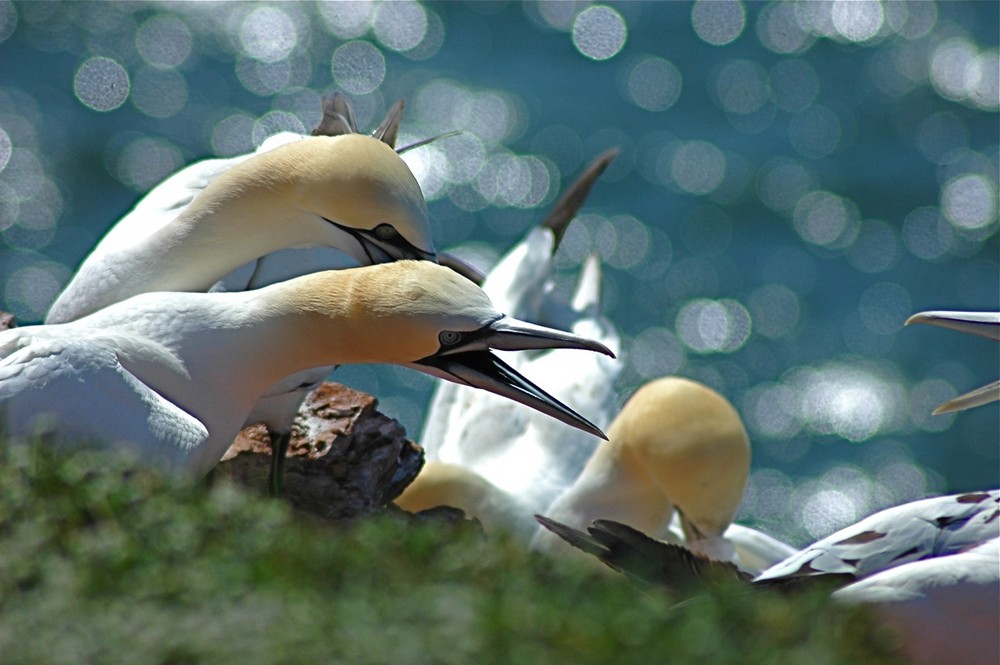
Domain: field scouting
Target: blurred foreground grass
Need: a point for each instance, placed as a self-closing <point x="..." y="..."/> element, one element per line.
<point x="102" y="562"/>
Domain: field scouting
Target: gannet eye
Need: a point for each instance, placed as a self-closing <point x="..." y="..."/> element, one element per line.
<point x="449" y="337"/>
<point x="386" y="232"/>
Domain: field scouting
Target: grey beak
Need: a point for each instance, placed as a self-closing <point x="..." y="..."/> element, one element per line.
<point x="482" y="369"/>
<point x="983" y="324"/>
<point x="507" y="334"/>
<point x="470" y="362"/>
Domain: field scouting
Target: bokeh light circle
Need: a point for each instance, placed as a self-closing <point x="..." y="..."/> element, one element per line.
<point x="698" y="167"/>
<point x="5" y="149"/>
<point x="599" y="32"/>
<point x="358" y="67"/>
<point x="857" y="20"/>
<point x="718" y="22"/>
<point x="101" y="84"/>
<point x="654" y="84"/>
<point x="969" y="201"/>
<point x="164" y="41"/>
<point x="400" y="25"/>
<point x="268" y="34"/>
<point x="713" y="326"/>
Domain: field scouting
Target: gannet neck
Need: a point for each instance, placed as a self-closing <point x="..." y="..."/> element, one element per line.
<point x="317" y="191"/>
<point x="292" y="196"/>
<point x="389" y="313"/>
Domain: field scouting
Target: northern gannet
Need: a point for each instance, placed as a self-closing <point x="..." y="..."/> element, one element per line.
<point x="533" y="459"/>
<point x="347" y="192"/>
<point x="944" y="610"/>
<point x="677" y="446"/>
<point x="984" y="324"/>
<point x="174" y="375"/>
<point x="233" y="224"/>
<point x="930" y="569"/>
<point x="918" y="530"/>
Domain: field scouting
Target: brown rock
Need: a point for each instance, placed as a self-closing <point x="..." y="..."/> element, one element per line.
<point x="346" y="459"/>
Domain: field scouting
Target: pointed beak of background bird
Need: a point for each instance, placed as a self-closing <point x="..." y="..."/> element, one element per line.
<point x="984" y="324"/>
<point x="472" y="364"/>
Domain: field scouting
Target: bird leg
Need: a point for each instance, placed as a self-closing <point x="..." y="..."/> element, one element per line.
<point x="279" y="449"/>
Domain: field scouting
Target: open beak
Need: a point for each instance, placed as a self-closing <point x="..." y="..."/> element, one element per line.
<point x="983" y="324"/>
<point x="472" y="364"/>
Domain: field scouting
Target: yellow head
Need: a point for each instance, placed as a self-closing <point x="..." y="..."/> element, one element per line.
<point x="398" y="312"/>
<point x="688" y="441"/>
<point x="350" y="192"/>
<point x="412" y="313"/>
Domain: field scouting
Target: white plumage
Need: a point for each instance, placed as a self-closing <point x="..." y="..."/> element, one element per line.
<point x="918" y="530"/>
<point x="174" y="375"/>
<point x="533" y="459"/>
<point x="675" y="466"/>
<point x="295" y="206"/>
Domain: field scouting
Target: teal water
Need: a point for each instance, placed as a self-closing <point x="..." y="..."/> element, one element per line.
<point x="795" y="181"/>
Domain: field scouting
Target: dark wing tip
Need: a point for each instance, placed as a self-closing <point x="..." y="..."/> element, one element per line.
<point x="388" y="129"/>
<point x="338" y="117"/>
<point x="565" y="209"/>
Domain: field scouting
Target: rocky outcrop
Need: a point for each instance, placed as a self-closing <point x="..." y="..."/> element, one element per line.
<point x="346" y="460"/>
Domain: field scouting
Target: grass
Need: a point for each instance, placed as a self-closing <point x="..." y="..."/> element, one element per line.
<point x="104" y="562"/>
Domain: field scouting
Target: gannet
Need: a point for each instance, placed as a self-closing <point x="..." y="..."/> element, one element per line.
<point x="984" y="324"/>
<point x="676" y="446"/>
<point x="233" y="224"/>
<point x="918" y="530"/>
<point x="533" y="459"/>
<point x="174" y="375"/>
<point x="944" y="610"/>
<point x="348" y="192"/>
<point x="894" y="539"/>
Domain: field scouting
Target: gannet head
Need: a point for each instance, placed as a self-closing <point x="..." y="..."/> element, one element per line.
<point x="690" y="442"/>
<point x="429" y="318"/>
<point x="351" y="192"/>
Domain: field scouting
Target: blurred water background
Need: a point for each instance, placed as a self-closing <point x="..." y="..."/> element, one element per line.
<point x="796" y="179"/>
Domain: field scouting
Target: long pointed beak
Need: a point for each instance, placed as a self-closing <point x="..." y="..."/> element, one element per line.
<point x="973" y="398"/>
<point x="507" y="334"/>
<point x="984" y="324"/>
<point x="482" y="369"/>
